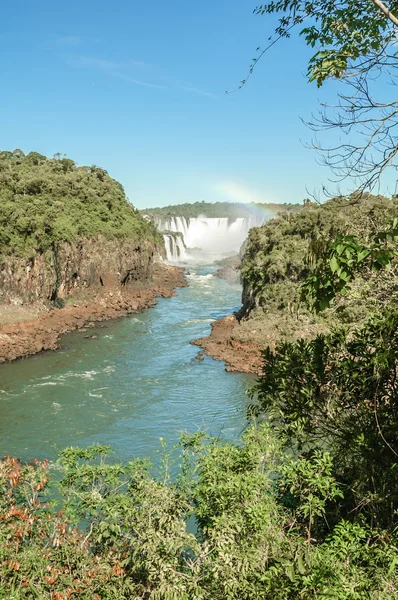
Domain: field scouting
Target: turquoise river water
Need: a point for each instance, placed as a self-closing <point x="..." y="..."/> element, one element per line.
<point x="137" y="382"/>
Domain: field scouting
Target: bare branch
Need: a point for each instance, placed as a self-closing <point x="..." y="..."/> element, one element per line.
<point x="368" y="127"/>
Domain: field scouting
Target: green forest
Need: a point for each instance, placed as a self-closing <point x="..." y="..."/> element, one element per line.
<point x="45" y="201"/>
<point x="283" y="253"/>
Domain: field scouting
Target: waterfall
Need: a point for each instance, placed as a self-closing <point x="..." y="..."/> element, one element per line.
<point x="175" y="248"/>
<point x="204" y="239"/>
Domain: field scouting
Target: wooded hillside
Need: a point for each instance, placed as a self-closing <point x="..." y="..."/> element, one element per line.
<point x="49" y="200"/>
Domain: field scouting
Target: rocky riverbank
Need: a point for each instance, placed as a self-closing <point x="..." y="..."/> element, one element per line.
<point x="27" y="331"/>
<point x="239" y="356"/>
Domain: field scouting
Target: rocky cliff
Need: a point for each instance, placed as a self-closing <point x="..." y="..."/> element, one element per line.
<point x="275" y="264"/>
<point x="70" y="267"/>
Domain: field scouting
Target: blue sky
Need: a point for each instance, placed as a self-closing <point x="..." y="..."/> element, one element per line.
<point x="138" y="88"/>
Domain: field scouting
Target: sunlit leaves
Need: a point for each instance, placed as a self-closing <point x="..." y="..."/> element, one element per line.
<point x="46" y="201"/>
<point x="343" y="32"/>
<point x="256" y="510"/>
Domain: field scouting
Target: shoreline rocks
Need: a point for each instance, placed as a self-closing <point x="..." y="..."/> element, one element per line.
<point x="241" y="357"/>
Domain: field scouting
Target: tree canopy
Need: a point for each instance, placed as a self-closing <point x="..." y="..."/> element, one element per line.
<point x="267" y="526"/>
<point x="345" y="33"/>
<point x="49" y="200"/>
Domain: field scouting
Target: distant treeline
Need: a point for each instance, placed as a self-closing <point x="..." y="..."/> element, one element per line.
<point x="217" y="209"/>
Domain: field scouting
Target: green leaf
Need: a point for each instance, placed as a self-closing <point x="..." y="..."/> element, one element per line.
<point x="323" y="304"/>
<point x="345" y="276"/>
<point x="363" y="254"/>
<point x="290" y="572"/>
<point x="300" y="565"/>
<point x="334" y="265"/>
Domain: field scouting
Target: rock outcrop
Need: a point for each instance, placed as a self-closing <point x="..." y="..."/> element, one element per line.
<point x="244" y="357"/>
<point x="69" y="268"/>
<point x="229" y="269"/>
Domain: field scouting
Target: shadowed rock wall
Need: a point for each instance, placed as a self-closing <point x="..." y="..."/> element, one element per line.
<point x="70" y="267"/>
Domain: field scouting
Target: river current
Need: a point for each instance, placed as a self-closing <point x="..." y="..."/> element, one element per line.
<point x="138" y="381"/>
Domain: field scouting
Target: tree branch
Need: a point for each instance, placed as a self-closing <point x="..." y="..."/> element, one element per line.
<point x="387" y="12"/>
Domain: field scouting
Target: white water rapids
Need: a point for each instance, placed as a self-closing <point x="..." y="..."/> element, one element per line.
<point x="204" y="239"/>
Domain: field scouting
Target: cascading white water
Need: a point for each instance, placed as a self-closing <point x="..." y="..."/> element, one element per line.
<point x="201" y="239"/>
<point x="175" y="248"/>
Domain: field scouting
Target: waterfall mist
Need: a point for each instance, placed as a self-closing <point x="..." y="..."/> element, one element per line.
<point x="203" y="239"/>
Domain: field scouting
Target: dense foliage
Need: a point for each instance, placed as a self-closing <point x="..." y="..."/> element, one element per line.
<point x="262" y="528"/>
<point x="339" y="391"/>
<point x="336" y="263"/>
<point x="279" y="257"/>
<point x="231" y="210"/>
<point x="44" y="201"/>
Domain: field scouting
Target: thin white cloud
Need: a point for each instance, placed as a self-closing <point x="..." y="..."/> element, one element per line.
<point x="236" y="192"/>
<point x="139" y="82"/>
<point x="107" y="66"/>
<point x="69" y="40"/>
<point x="123" y="71"/>
<point x="139" y="64"/>
<point x="198" y="91"/>
<point x="155" y="86"/>
<point x="111" y="68"/>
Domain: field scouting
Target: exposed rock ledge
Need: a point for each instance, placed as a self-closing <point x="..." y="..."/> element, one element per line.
<point x="229" y="269"/>
<point x="22" y="333"/>
<point x="243" y="357"/>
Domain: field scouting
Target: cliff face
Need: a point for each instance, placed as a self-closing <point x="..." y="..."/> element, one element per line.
<point x="274" y="266"/>
<point x="29" y="329"/>
<point x="250" y="300"/>
<point x="68" y="268"/>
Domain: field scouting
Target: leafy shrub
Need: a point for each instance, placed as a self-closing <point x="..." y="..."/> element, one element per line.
<point x="339" y="391"/>
<point x="124" y="531"/>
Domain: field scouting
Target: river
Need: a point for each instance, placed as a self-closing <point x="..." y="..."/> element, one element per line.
<point x="138" y="381"/>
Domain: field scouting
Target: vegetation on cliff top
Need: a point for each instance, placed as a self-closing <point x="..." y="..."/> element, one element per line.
<point x="338" y="390"/>
<point x="44" y="201"/>
<point x="232" y="210"/>
<point x="277" y="261"/>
